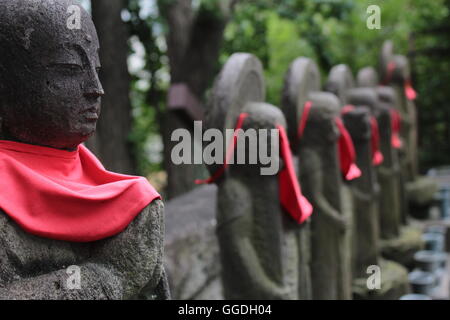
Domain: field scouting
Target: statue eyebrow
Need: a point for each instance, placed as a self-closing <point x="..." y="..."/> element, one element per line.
<point x="83" y="53"/>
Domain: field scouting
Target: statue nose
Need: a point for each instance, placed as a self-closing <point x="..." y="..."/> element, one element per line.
<point x="93" y="87"/>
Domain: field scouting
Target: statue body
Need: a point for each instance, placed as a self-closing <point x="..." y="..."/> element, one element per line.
<point x="393" y="193"/>
<point x="396" y="72"/>
<point x="376" y="194"/>
<point x="364" y="191"/>
<point x="251" y="229"/>
<point x="321" y="181"/>
<point x="420" y="191"/>
<point x="50" y="96"/>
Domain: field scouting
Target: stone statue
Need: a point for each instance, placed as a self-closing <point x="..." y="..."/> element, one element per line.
<point x="258" y="245"/>
<point x="50" y="100"/>
<point x="398" y="241"/>
<point x="393" y="187"/>
<point x="390" y="213"/>
<point x="322" y="182"/>
<point x="393" y="200"/>
<point x="395" y="71"/>
<point x="302" y="78"/>
<point x="364" y="189"/>
<point x="340" y="80"/>
<point x="394" y="280"/>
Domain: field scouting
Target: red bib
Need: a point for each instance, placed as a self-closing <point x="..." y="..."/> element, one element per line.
<point x="395" y="129"/>
<point x="377" y="156"/>
<point x="67" y="195"/>
<point x="347" y="154"/>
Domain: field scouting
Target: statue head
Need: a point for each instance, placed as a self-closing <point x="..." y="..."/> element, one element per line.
<point x="357" y="123"/>
<point x="320" y="128"/>
<point x="49" y="85"/>
<point x="365" y="97"/>
<point x="261" y="118"/>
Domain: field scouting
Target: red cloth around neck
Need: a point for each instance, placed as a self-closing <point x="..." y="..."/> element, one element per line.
<point x="290" y="194"/>
<point x="346" y="150"/>
<point x="410" y="93"/>
<point x="347" y="154"/>
<point x="230" y="152"/>
<point x="290" y="191"/>
<point x="67" y="195"/>
<point x="395" y="129"/>
<point x="377" y="156"/>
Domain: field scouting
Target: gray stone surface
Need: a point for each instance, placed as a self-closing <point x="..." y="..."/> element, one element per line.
<point x="340" y="80"/>
<point x="367" y="77"/>
<point x="191" y="248"/>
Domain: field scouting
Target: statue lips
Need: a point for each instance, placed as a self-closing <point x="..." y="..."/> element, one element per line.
<point x="91" y="114"/>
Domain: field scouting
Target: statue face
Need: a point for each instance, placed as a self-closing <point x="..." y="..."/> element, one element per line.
<point x="358" y="123"/>
<point x="321" y="128"/>
<point x="58" y="103"/>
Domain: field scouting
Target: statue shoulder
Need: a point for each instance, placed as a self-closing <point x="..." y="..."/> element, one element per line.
<point x="149" y="220"/>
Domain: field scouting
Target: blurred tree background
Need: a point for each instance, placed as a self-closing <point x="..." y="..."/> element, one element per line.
<point x="187" y="41"/>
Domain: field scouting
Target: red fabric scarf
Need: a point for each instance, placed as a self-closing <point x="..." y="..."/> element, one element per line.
<point x="67" y="195"/>
<point x="377" y="156"/>
<point x="346" y="150"/>
<point x="395" y="128"/>
<point x="290" y="194"/>
<point x="347" y="154"/>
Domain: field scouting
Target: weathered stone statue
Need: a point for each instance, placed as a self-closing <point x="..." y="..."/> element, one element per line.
<point x="392" y="181"/>
<point x="365" y="194"/>
<point x="393" y="201"/>
<point x="340" y="80"/>
<point x="398" y="242"/>
<point x="258" y="245"/>
<point x="302" y="78"/>
<point x="322" y="182"/>
<point x="390" y="213"/>
<point x="393" y="281"/>
<point x="395" y="72"/>
<point x="58" y="206"/>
